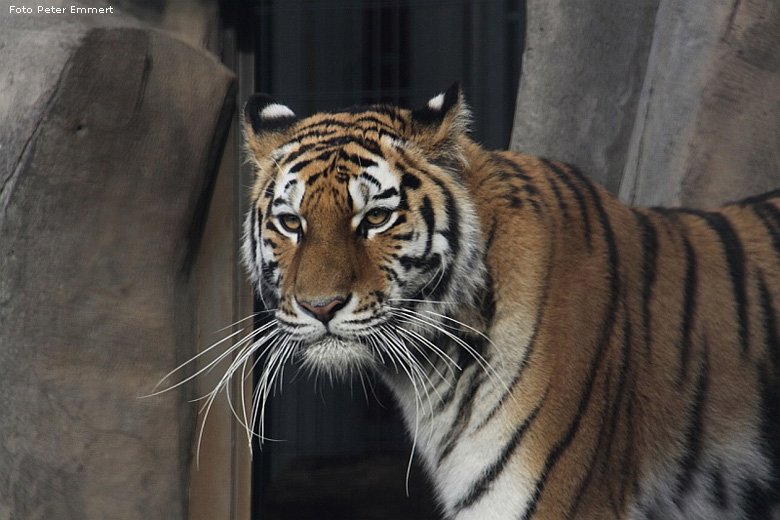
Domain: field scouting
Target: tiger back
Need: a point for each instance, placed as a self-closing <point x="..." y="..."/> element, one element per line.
<point x="554" y="352"/>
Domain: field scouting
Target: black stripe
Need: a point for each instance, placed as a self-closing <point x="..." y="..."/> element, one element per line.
<point x="511" y="165"/>
<point x="423" y="263"/>
<point x="735" y="258"/>
<point x="272" y="227"/>
<point x="606" y="331"/>
<point x="452" y="231"/>
<point x="389" y="192"/>
<point x="378" y="123"/>
<point x="426" y="210"/>
<point x="605" y="441"/>
<point x="719" y="493"/>
<point x="326" y="121"/>
<point x="760" y="500"/>
<point x="370" y="146"/>
<point x="311" y="180"/>
<point x="452" y="234"/>
<point x="763" y="498"/>
<point x="436" y="372"/>
<point x="392" y="275"/>
<point x="529" y="350"/>
<point x="628" y="463"/>
<point x="462" y="417"/>
<point x="770" y="217"/>
<point x="370" y="178"/>
<point x="482" y="485"/>
<point x="410" y="181"/>
<point x="689" y="307"/>
<point x="330" y="145"/>
<point x="340" y="124"/>
<point x="517" y="196"/>
<point x="578" y="197"/>
<point x="491" y="234"/>
<point x="625" y="366"/>
<point x="267" y="270"/>
<point x="465" y="358"/>
<point x="532" y="191"/>
<point x="649" y="267"/>
<point x="357" y="160"/>
<point x="445" y="400"/>
<point x="317" y="132"/>
<point x="596" y="452"/>
<point x="361" y="321"/>
<point x="770" y="324"/>
<point x="253" y="215"/>
<point x="764" y="197"/>
<point x="485" y="301"/>
<point x="268" y="192"/>
<point x="693" y="433"/>
<point x="564" y="207"/>
<point x="398" y="221"/>
<point x="769" y="388"/>
<point x="322" y="156"/>
<point x="300" y="165"/>
<point x="404" y="237"/>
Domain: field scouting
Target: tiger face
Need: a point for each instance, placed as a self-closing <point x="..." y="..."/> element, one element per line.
<point x="361" y="235"/>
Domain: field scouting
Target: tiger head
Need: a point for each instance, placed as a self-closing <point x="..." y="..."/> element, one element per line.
<point x="361" y="237"/>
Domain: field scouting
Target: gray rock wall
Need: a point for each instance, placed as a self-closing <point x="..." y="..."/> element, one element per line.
<point x="668" y="102"/>
<point x="583" y="67"/>
<point x="111" y="132"/>
<point x="709" y="130"/>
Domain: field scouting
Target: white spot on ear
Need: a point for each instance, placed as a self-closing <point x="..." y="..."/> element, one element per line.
<point x="276" y="111"/>
<point x="436" y="103"/>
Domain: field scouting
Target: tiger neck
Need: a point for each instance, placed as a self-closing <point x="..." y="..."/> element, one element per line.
<point x="501" y="319"/>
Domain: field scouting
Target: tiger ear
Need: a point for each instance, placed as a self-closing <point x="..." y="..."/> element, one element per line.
<point x="266" y="124"/>
<point x="437" y="125"/>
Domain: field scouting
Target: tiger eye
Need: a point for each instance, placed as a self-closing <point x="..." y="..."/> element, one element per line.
<point x="290" y="222"/>
<point x="377" y="216"/>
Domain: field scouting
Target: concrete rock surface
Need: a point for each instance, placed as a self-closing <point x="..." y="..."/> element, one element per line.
<point x="670" y="102"/>
<point x="110" y="135"/>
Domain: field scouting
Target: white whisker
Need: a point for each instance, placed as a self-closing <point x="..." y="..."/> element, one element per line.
<point x="199" y="354"/>
<point x="460" y="323"/>
<point x="253" y="315"/>
<point x="429" y="322"/>
<point x="256" y="343"/>
<point x="242" y="361"/>
<point x="415" y="300"/>
<point x="268" y="379"/>
<point x="412" y="364"/>
<point x="393" y="352"/>
<point x="440" y="353"/>
<point x="440" y="273"/>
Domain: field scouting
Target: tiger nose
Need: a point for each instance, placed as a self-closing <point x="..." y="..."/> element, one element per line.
<point x="323" y="310"/>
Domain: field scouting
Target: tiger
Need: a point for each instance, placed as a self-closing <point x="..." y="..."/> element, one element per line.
<point x="554" y="352"/>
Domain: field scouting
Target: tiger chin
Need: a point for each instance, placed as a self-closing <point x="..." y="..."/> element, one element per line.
<point x="555" y="353"/>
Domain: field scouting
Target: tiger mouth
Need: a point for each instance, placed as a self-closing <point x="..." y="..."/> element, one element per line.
<point x="336" y="356"/>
